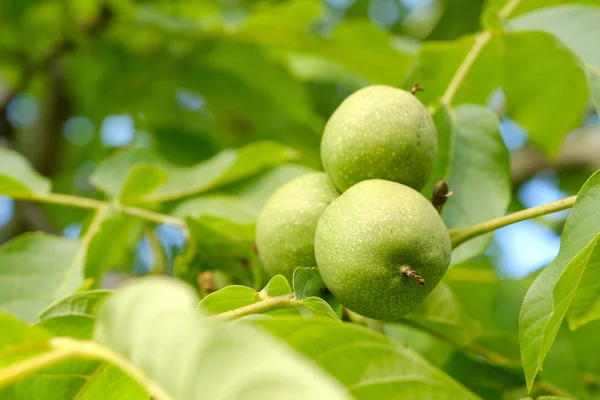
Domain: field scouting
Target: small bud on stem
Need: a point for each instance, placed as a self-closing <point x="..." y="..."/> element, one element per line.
<point x="409" y="272"/>
<point x="416" y="88"/>
<point x="441" y="194"/>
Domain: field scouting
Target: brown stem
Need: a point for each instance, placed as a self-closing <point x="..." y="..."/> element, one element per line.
<point x="409" y="272"/>
<point x="441" y="194"/>
<point x="416" y="88"/>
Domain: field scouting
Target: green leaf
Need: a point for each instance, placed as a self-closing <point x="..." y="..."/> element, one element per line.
<point x="356" y="44"/>
<point x="549" y="108"/>
<point x="225" y="206"/>
<point x="242" y="201"/>
<point x="523" y="7"/>
<point x="307" y="282"/>
<point x="277" y="286"/>
<point x="142" y="179"/>
<point x="225" y="167"/>
<point x="585" y="306"/>
<point x="593" y="75"/>
<point x="551" y="294"/>
<point x="188" y="351"/>
<point x="35" y="271"/>
<point x="370" y="365"/>
<point x="74" y="315"/>
<point x="256" y="190"/>
<point x="460" y="17"/>
<point x="229" y="298"/>
<point x="319" y="307"/>
<point x="479" y="82"/>
<point x="103" y="255"/>
<point x="478" y="173"/>
<point x="72" y="379"/>
<point x="19" y="340"/>
<point x="574" y="25"/>
<point x="442" y="314"/>
<point x="237" y="296"/>
<point x="361" y="47"/>
<point x="80" y="379"/>
<point x="485" y="380"/>
<point x="18" y="177"/>
<point x="221" y="245"/>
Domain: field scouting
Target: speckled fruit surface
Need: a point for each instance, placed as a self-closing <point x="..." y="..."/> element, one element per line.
<point x="379" y="132"/>
<point x="367" y="235"/>
<point x="285" y="229"/>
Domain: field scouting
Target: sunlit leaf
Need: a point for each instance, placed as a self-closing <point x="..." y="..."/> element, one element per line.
<point x="18" y="177"/>
<point x="187" y="350"/>
<point x="19" y="340"/>
<point x="475" y="86"/>
<point x="35" y="271"/>
<point x="368" y="364"/>
<point x="549" y="108"/>
<point x="552" y="292"/>
<point x="74" y="315"/>
<point x="226" y="167"/>
<point x="572" y="24"/>
<point x="103" y="254"/>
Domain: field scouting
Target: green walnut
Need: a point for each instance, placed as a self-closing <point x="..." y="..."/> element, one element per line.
<point x="381" y="248"/>
<point x="285" y="229"/>
<point x="379" y="132"/>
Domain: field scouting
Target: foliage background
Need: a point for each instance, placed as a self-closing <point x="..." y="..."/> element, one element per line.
<point x="82" y="83"/>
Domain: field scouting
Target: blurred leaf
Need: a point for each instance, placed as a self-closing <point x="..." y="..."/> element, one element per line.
<point x="80" y="379"/>
<point x="224" y="206"/>
<point x="35" y="270"/>
<point x="241" y="201"/>
<point x="550" y="295"/>
<point x="256" y="190"/>
<point x="478" y="174"/>
<point x="74" y="315"/>
<point x="18" y="177"/>
<point x="19" y="340"/>
<point x="476" y="284"/>
<point x="356" y="44"/>
<point x="226" y="167"/>
<point x="574" y="25"/>
<point x="522" y="7"/>
<point x="363" y="48"/>
<point x="143" y="179"/>
<point x="370" y="365"/>
<point x="307" y="282"/>
<point x="113" y="247"/>
<point x="155" y="313"/>
<point x="478" y="84"/>
<point x="460" y="17"/>
<point x="593" y="75"/>
<point x="548" y="114"/>
<point x="442" y="314"/>
<point x="436" y="351"/>
<point x="488" y="381"/>
<point x="221" y="245"/>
